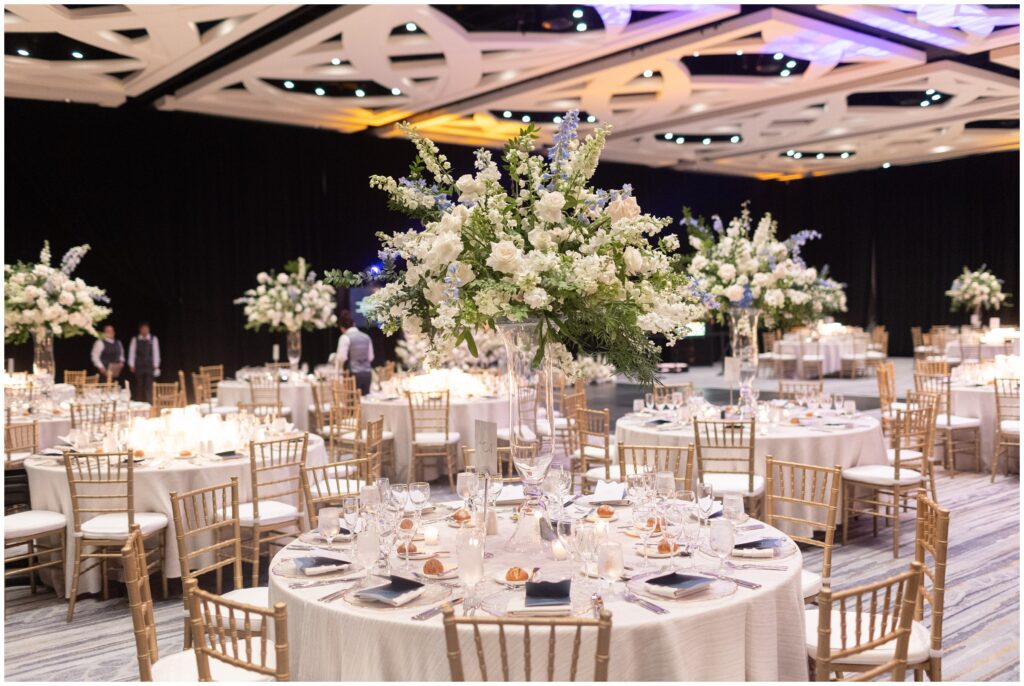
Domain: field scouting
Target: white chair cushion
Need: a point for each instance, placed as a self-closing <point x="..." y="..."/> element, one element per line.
<point x="115" y="524"/>
<point x="905" y="454"/>
<point x="917" y="649"/>
<point x="325" y="408"/>
<point x="875" y="354"/>
<point x="848" y="357"/>
<point x="32" y="522"/>
<point x="595" y="452"/>
<point x="784" y="356"/>
<point x="956" y="422"/>
<point x="341" y="433"/>
<point x="258" y="596"/>
<point x="436" y="438"/>
<point x="881" y="475"/>
<point x="544" y="428"/>
<point x="17" y="457"/>
<point x="595" y="474"/>
<point x="271" y="512"/>
<point x="525" y="432"/>
<point x="898" y="405"/>
<point x="1010" y="426"/>
<point x="810" y="583"/>
<point x="813" y="358"/>
<point x="734" y="483"/>
<point x="224" y="409"/>
<point x="182" y="666"/>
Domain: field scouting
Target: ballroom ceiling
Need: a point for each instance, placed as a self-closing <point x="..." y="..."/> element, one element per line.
<point x="773" y="92"/>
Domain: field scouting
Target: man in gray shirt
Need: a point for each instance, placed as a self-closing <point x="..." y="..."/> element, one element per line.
<point x="356" y="349"/>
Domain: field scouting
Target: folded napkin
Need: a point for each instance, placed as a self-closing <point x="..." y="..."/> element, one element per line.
<point x="676" y="585"/>
<point x="453" y="504"/>
<point x="397" y="592"/>
<point x="542" y="599"/>
<point x="52" y="451"/>
<point x="607" y="491"/>
<point x="762" y="547"/>
<point x="510" y="494"/>
<point x="753" y="552"/>
<point x="315" y="565"/>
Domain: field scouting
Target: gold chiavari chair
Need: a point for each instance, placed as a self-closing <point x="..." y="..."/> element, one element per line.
<point x="885" y="374"/>
<point x="329" y="484"/>
<point x="506" y="467"/>
<point x="165" y="396"/>
<point x="1007" y="422"/>
<point x="18" y="394"/>
<point x="266" y="412"/>
<point x="95" y="417"/>
<point x="214" y="374"/>
<point x="813" y="492"/>
<point x="224" y="650"/>
<point x="565" y="670"/>
<point x="386" y="372"/>
<point x="931" y="367"/>
<point x="182" y="390"/>
<point x="276" y="477"/>
<point x="201" y="389"/>
<point x="790" y="390"/>
<point x="209" y="535"/>
<point x="102" y="489"/>
<point x="76" y="377"/>
<point x="432" y="438"/>
<point x="725" y="459"/>
<point x="890" y="486"/>
<point x="633" y="459"/>
<point x="854" y="361"/>
<point x="767" y="357"/>
<point x="564" y="422"/>
<point x="878" y="348"/>
<point x="90" y="380"/>
<point x="265" y="392"/>
<point x="343" y="429"/>
<point x="811" y="359"/>
<point x="924" y="656"/>
<point x="922" y="347"/>
<point x="784" y="360"/>
<point x="864" y="629"/>
<point x="956" y="434"/>
<point x="596" y="446"/>
<point x="321" y="407"/>
<point x="663" y="392"/>
<point x="528" y="417"/>
<point x="970" y="350"/>
<point x="21" y="440"/>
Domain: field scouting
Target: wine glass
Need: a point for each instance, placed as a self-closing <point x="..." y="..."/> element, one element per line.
<point x="419" y="495"/>
<point x="407" y="528"/>
<point x="350" y="510"/>
<point x="705" y="500"/>
<point x="722" y="539"/>
<point x="387" y="528"/>
<point x="466" y="485"/>
<point x="329" y="524"/>
<point x="563" y="481"/>
<point x="837" y="400"/>
<point x="664" y="484"/>
<point x="383" y="485"/>
<point x="691" y="525"/>
<point x="399" y="496"/>
<point x="369" y="496"/>
<point x="610" y="564"/>
<point x="673" y="512"/>
<point x="586" y="545"/>
<point x="649" y="401"/>
<point x="367" y="547"/>
<point x="565" y="529"/>
<point x="645" y="521"/>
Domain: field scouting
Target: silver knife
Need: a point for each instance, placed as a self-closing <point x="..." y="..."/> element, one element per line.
<point x="633" y="598"/>
<point x="427" y="614"/>
<point x="739" y="582"/>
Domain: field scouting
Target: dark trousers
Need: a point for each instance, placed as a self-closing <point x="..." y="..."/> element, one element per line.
<point x="142" y="387"/>
<point x="363" y="381"/>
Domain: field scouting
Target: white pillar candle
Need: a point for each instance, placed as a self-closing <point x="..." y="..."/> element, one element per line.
<point x="430" y="535"/>
<point x="276" y="354"/>
<point x="558" y="550"/>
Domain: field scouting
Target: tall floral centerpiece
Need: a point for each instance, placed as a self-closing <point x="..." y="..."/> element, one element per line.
<point x="42" y="302"/>
<point x="750" y="276"/>
<point x="414" y="348"/>
<point x="290" y="301"/>
<point x="977" y="290"/>
<point x="558" y="267"/>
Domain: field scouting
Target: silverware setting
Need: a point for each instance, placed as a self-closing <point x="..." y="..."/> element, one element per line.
<point x="631" y="597"/>
<point x="774" y="568"/>
<point x="739" y="582"/>
<point x="314" y="584"/>
<point x="436" y="610"/>
<point x="331" y="597"/>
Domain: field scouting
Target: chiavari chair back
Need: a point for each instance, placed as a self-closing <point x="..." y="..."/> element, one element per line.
<point x="429" y="414"/>
<point x="811" y="358"/>
<point x="634" y="459"/>
<point x="18" y="394"/>
<point x="182" y="390"/>
<point x="854" y="623"/>
<point x="90" y="380"/>
<point x="506" y="466"/>
<point x="329" y="484"/>
<point x="343" y="429"/>
<point x="215" y="374"/>
<point x="725" y="457"/>
<point x="278" y="366"/>
<point x="854" y="358"/>
<point x="76" y="377"/>
<point x="265" y="411"/>
<point x="201" y="389"/>
<point x="922" y="347"/>
<point x="225" y="636"/>
<point x="386" y="372"/>
<point x="265" y="390"/>
<point x="140" y="602"/>
<point x="276" y="475"/>
<point x="970" y="349"/>
<point x="885" y="374"/>
<point x="1007" y="422"/>
<point x="322" y="396"/>
<point x="956" y="434"/>
<point x="791" y="390"/>
<point x="878" y="348"/>
<point x="595" y="446"/>
<point x="931" y="367"/>
<point x="663" y="392"/>
<point x="21" y="440"/>
<point x="527" y="432"/>
<point x="553" y="669"/>
<point x="165" y="396"/>
<point x="932" y="542"/>
<point x="812" y="491"/>
<point x="95" y="417"/>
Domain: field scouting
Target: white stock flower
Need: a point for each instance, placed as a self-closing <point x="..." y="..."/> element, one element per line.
<point x="734" y="293"/>
<point x="537" y="298"/>
<point x="633" y="259"/>
<point x="774" y="297"/>
<point x="541" y="239"/>
<point x="727" y="273"/>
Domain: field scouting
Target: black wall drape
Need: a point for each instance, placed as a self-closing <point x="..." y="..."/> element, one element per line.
<point x="183" y="210"/>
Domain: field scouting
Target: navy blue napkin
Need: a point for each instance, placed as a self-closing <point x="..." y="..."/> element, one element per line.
<point x="308" y="565"/>
<point x="680" y="582"/>
<point x="397" y="587"/>
<point x="547" y="593"/>
<point x="762" y="544"/>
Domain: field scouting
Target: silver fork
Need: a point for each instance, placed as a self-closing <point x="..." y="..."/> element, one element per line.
<point x="774" y="568"/>
<point x="631" y="597"/>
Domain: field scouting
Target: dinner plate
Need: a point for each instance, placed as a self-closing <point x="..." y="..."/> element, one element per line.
<point x="496" y="604"/>
<point x="787" y="550"/>
<point x="653" y="554"/>
<point x="316" y="537"/>
<point x="593" y="518"/>
<point x="288" y="570"/>
<point x="719" y="588"/>
<point x="433" y="595"/>
<point x="422" y="553"/>
<point x="499" y="577"/>
<point x="450" y="572"/>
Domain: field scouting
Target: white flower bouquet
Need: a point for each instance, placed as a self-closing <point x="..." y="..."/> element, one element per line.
<point x="414" y="348"/>
<point x="737" y="267"/>
<point x="40" y="299"/>
<point x="541" y="244"/>
<point x="292" y="300"/>
<point x="977" y="290"/>
<point x="828" y="296"/>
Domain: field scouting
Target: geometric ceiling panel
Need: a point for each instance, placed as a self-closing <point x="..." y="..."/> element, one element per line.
<point x="102" y="54"/>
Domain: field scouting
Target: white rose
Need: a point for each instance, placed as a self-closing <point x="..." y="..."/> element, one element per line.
<point x="470" y="189"/>
<point x="505" y="257"/>
<point x="549" y="207"/>
<point x="634" y="260"/>
<point x="537" y="298"/>
<point x="727" y="273"/>
<point x="450" y="223"/>
<point x="434" y="291"/>
<point x="445" y="249"/>
<point x="541" y="239"/>
<point x="734" y="293"/>
<point x="623" y="208"/>
<point x="775" y="298"/>
<point x="464" y="273"/>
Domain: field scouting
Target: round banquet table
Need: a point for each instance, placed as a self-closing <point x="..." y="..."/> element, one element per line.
<point x="979" y="402"/>
<point x="750" y="635"/>
<point x="462" y="419"/>
<point x="54" y="425"/>
<point x="988" y="350"/>
<point x="861" y="444"/>
<point x="296" y="395"/>
<point x="831" y="351"/>
<point x="48" y="484"/>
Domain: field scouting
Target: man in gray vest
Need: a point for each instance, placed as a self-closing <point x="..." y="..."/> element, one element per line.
<point x="356" y="349"/>
<point x="144" y="362"/>
<point x="108" y="355"/>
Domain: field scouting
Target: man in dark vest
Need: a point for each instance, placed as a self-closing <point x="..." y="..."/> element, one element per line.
<point x="356" y="349"/>
<point x="108" y="355"/>
<point x="144" y="362"/>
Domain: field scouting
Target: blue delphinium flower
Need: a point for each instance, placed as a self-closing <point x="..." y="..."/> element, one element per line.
<point x="748" y="297"/>
<point x="709" y="300"/>
<point x="559" y="152"/>
<point x="716" y="223"/>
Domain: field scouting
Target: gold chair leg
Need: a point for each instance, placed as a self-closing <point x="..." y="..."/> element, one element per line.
<point x="104" y="592"/>
<point x="846" y="510"/>
<point x="255" y="557"/>
<point x="161" y="560"/>
<point x="74" y="578"/>
<point x="32" y="561"/>
<point x="896" y="522"/>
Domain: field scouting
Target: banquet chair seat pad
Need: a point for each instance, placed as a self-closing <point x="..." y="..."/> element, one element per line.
<point x="813" y="358"/>
<point x="258" y="596"/>
<point x="853" y="356"/>
<point x="18" y="457"/>
<point x="115" y="524"/>
<point x="875" y="354"/>
<point x="905" y="454"/>
<point x="784" y="356"/>
<point x="1010" y="426"/>
<point x="544" y="428"/>
<point x="182" y="666"/>
<point x="734" y="483"/>
<point x="917" y="649"/>
<point x="32" y="522"/>
<point x="596" y="452"/>
<point x="225" y="409"/>
<point x="271" y="512"/>
<point x="436" y="438"/>
<point x="810" y="583"/>
<point x="955" y="422"/>
<point x="526" y="434"/>
<point x="881" y="475"/>
<point x="595" y="474"/>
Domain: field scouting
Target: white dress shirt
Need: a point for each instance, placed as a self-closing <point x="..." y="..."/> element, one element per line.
<point x="97" y="350"/>
<point x="156" y="353"/>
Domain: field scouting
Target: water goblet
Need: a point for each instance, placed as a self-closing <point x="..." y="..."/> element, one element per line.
<point x="419" y="495"/>
<point x="610" y="564"/>
<point x="469" y="551"/>
<point x="399" y="496"/>
<point x="649" y="401"/>
<point x="664" y="484"/>
<point x="407" y="527"/>
<point x="837" y="400"/>
<point x="329" y="524"/>
<point x="645" y="521"/>
<point x="587" y="542"/>
<point x="722" y="539"/>
<point x="466" y="485"/>
<point x="367" y="547"/>
<point x="672" y="513"/>
<point x="705" y="500"/>
<point x="350" y="511"/>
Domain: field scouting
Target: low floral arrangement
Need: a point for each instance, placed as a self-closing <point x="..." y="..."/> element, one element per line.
<point x="40" y="299"/>
<point x="594" y="369"/>
<point x="541" y="244"/>
<point x="737" y="267"/>
<point x="292" y="300"/>
<point x="414" y="348"/>
<point x="977" y="290"/>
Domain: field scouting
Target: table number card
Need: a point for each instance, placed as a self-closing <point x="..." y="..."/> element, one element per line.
<point x="732" y="370"/>
<point x="485" y="443"/>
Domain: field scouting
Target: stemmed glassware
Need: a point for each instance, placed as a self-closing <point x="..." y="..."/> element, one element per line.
<point x="586" y="546"/>
<point x="610" y="564"/>
<point x="367" y="547"/>
<point x="691" y="523"/>
<point x="705" y="501"/>
<point x="469" y="550"/>
<point x="673" y="513"/>
<point x="645" y="520"/>
<point x="407" y="528"/>
<point x="722" y="539"/>
<point x="664" y="485"/>
<point x="419" y="496"/>
<point x="466" y="485"/>
<point x="732" y="507"/>
<point x="383" y="485"/>
<point x="329" y="524"/>
<point x="838" y="399"/>
<point x="399" y="496"/>
<point x="350" y="510"/>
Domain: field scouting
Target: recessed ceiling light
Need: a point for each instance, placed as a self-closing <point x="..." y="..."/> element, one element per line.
<point x="668" y="136"/>
<point x="790" y="153"/>
<point x="648" y="73"/>
<point x="886" y="165"/>
<point x="591" y="118"/>
<point x="336" y="61"/>
<point x="77" y="55"/>
<point x="739" y="53"/>
<point x="526" y="118"/>
<point x="797" y="155"/>
<point x="696" y="54"/>
<point x="289" y="85"/>
<point x="557" y="120"/>
<point x="734" y="139"/>
<point x="790" y="64"/>
<point x="360" y="93"/>
<point x="778" y="56"/>
<point x="784" y="73"/>
<point x="23" y="52"/>
<point x="396" y="91"/>
<point x="930" y="91"/>
<point x="582" y="26"/>
<point x="411" y="26"/>
<point x="680" y="140"/>
<point x="319" y="91"/>
<point x="706" y="141"/>
<point x="938" y="150"/>
<point x="936" y="97"/>
<point x="820" y="156"/>
<point x="506" y="114"/>
<point x="926" y="103"/>
<point x="845" y="155"/>
<point x="577" y="14"/>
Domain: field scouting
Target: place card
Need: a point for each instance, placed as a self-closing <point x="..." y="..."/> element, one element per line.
<point x="485" y="443"/>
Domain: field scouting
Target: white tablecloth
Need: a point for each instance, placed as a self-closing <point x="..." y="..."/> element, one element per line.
<point x="296" y="395"/>
<point x="52" y="426"/>
<point x="462" y="419"/>
<point x="979" y="402"/>
<point x="831" y="351"/>
<point x="48" y="484"/>
<point x="752" y="635"/>
<point x="988" y="350"/>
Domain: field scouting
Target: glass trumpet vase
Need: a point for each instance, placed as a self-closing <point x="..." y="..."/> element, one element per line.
<point x="529" y="387"/>
<point x="42" y="355"/>
<point x="294" y="349"/>
<point x="743" y="331"/>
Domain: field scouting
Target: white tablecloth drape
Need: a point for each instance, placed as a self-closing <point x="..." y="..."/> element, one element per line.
<point x="296" y="395"/>
<point x="48" y="484"/>
<point x="462" y="419"/>
<point x="831" y="351"/>
<point x="979" y="402"/>
<point x="988" y="350"/>
<point x="53" y="426"/>
<point x="751" y="635"/>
